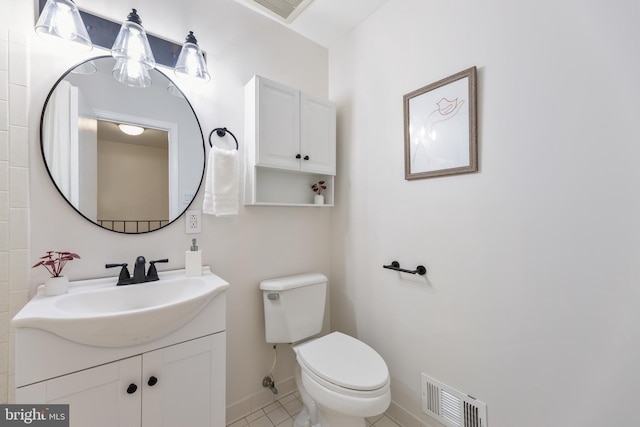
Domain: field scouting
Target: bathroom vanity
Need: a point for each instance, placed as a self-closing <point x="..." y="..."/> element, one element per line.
<point x="172" y="375"/>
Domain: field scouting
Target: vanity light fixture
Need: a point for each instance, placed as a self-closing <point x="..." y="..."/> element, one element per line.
<point x="191" y="60"/>
<point x="132" y="53"/>
<point x="135" y="51"/>
<point x="131" y="129"/>
<point x="61" y="18"/>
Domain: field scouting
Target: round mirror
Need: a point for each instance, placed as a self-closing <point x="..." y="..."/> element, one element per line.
<point x="128" y="159"/>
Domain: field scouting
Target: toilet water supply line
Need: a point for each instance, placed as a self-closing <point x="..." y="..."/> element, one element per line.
<point x="268" y="380"/>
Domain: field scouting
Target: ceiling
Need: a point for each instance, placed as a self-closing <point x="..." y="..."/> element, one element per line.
<point x="324" y="21"/>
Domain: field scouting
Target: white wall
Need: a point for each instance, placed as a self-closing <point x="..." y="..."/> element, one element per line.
<point x="260" y="243"/>
<point x="533" y="301"/>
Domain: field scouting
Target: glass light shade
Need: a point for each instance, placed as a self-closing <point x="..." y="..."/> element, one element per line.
<point x="191" y="61"/>
<point x="61" y="19"/>
<point x="131" y="43"/>
<point x="86" y="69"/>
<point x="132" y="73"/>
<point x="131" y="129"/>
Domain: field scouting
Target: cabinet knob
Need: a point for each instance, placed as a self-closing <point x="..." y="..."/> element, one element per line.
<point x="152" y="381"/>
<point x="298" y="156"/>
<point x="306" y="157"/>
<point x="132" y="388"/>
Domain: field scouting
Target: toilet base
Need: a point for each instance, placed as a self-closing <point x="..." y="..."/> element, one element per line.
<point x="329" y="418"/>
<point x="302" y="420"/>
<point x="308" y="417"/>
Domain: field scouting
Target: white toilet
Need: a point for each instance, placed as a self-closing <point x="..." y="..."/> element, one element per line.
<point x="341" y="379"/>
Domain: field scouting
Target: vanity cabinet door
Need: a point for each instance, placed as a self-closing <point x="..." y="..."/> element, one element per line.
<point x="105" y="396"/>
<point x="184" y="385"/>
<point x="277" y="125"/>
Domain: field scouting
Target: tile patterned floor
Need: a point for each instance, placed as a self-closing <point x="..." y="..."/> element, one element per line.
<point x="282" y="413"/>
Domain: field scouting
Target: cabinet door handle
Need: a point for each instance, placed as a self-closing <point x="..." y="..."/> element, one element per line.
<point x="152" y="381"/>
<point x="132" y="388"/>
<point x="306" y="157"/>
<point x="298" y="156"/>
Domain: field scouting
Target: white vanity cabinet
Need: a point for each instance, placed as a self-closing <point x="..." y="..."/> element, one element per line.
<point x="291" y="144"/>
<point x="174" y="379"/>
<point x="169" y="387"/>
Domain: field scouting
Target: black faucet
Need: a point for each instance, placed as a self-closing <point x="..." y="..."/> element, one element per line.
<point x="139" y="275"/>
<point x="138" y="270"/>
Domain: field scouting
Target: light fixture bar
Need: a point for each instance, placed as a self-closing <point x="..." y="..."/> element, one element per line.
<point x="103" y="33"/>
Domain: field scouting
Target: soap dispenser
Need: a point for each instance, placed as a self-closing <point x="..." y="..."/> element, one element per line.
<point x="193" y="260"/>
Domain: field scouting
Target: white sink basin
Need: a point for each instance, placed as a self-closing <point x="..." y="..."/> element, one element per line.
<point x="97" y="312"/>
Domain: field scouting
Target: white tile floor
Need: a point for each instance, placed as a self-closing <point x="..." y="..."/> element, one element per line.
<point x="282" y="413"/>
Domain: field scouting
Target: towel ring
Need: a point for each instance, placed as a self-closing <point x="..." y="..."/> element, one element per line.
<point x="222" y="132"/>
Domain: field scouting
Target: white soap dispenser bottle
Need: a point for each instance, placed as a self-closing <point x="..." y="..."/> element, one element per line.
<point x="193" y="260"/>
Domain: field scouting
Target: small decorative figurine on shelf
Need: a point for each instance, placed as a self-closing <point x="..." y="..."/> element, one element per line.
<point x="317" y="188"/>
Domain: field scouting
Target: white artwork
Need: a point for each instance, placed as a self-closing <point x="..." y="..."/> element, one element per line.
<point x="440" y="134"/>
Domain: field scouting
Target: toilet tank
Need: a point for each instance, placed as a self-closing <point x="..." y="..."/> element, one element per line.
<point x="293" y="307"/>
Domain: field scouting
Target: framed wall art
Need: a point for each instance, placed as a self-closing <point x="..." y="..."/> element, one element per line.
<point x="440" y="128"/>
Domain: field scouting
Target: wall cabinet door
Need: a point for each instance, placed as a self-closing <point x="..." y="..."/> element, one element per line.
<point x="277" y="125"/>
<point x="98" y="397"/>
<point x="317" y="135"/>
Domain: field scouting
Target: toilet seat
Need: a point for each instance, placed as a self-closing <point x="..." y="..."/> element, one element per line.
<point x="344" y="365"/>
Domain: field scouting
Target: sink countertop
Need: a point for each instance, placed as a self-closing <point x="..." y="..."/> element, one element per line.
<point x="97" y="312"/>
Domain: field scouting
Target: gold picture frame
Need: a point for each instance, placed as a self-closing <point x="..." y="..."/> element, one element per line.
<point x="440" y="128"/>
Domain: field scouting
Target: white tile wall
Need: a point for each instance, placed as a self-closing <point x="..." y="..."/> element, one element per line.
<point x="4" y="142"/>
<point x="14" y="195"/>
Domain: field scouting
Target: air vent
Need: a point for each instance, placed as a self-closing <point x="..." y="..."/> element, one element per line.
<point x="451" y="407"/>
<point x="287" y="10"/>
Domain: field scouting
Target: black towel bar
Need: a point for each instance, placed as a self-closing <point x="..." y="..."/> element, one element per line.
<point x="221" y="132"/>
<point x="395" y="265"/>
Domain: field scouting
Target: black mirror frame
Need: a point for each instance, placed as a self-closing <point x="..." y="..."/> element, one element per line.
<point x="44" y="159"/>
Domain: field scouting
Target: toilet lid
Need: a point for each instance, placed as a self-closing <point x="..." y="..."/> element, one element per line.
<point x="344" y="361"/>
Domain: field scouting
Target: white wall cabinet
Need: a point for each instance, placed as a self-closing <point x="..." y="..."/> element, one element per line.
<point x="291" y="144"/>
<point x="173" y="386"/>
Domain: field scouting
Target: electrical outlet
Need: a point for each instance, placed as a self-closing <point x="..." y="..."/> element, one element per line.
<point x="192" y="222"/>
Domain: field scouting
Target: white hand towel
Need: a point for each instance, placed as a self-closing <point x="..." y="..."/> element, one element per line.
<point x="221" y="183"/>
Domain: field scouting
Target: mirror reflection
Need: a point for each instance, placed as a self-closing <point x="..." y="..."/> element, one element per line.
<point x="127" y="159"/>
